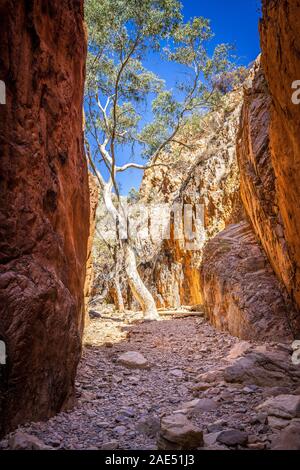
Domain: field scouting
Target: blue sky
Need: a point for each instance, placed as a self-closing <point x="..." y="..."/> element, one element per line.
<point x="232" y="21"/>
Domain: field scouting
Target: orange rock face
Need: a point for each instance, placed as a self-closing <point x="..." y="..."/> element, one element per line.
<point x="44" y="220"/>
<point x="280" y="38"/>
<point x="240" y="291"/>
<point x="242" y="294"/>
<point x="259" y="190"/>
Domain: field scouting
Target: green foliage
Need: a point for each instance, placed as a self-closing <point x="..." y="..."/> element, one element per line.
<point x="133" y="196"/>
<point x="121" y="34"/>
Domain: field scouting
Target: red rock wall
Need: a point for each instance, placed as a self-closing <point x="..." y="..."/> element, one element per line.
<point x="259" y="190"/>
<point x="280" y="39"/>
<point x="44" y="197"/>
<point x="241" y="292"/>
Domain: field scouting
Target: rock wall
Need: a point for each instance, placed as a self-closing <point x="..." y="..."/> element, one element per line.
<point x="204" y="173"/>
<point x="280" y="42"/>
<point x="258" y="180"/>
<point x="44" y="197"/>
<point x="241" y="292"/>
<point x="89" y="278"/>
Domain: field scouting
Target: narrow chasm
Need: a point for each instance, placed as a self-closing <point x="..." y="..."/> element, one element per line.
<point x="149" y="271"/>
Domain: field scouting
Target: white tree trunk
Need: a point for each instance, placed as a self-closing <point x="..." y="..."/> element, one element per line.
<point x="138" y="288"/>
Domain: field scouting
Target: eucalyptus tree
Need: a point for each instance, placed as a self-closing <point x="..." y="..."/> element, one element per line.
<point x="122" y="34"/>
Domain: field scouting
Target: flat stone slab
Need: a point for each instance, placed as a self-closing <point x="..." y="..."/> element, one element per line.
<point x="133" y="360"/>
<point x="233" y="437"/>
<point x="282" y="406"/>
<point x="177" y="432"/>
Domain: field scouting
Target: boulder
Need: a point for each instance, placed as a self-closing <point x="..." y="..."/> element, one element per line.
<point x="282" y="406"/>
<point x="233" y="437"/>
<point x="23" y="441"/>
<point x="240" y="291"/>
<point x="133" y="360"/>
<point x="269" y="369"/>
<point x="238" y="350"/>
<point x="177" y="432"/>
<point x="201" y="404"/>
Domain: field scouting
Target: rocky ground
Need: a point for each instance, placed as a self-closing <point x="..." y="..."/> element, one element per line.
<point x="184" y="385"/>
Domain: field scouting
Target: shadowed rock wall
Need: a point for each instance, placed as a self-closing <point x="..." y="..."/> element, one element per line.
<point x="44" y="198"/>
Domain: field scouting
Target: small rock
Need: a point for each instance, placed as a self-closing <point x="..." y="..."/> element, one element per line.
<point x="260" y="418"/>
<point x="122" y="419"/>
<point x="133" y="360"/>
<point x="201" y="404"/>
<point x="174" y="400"/>
<point x="233" y="437"/>
<point x="238" y="350"/>
<point x="257" y="446"/>
<point x="110" y="445"/>
<point x="216" y="426"/>
<point x="23" y="441"/>
<point x="177" y="432"/>
<point x="102" y="424"/>
<point x="277" y="423"/>
<point x="248" y="390"/>
<point x="121" y="430"/>
<point x="129" y="412"/>
<point x="289" y="438"/>
<point x="149" y="426"/>
<point x="182" y="390"/>
<point x="94" y="314"/>
<point x="134" y="380"/>
<point x="211" y="376"/>
<point x="210" y="439"/>
<point x="176" y="373"/>
<point x="201" y="386"/>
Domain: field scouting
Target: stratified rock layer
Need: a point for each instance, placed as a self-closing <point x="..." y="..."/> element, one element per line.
<point x="44" y="220"/>
<point x="242" y="294"/>
<point x="269" y="152"/>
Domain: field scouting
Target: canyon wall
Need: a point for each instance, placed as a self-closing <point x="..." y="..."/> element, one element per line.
<point x="44" y="197"/>
<point x="240" y="291"/>
<point x="280" y="40"/>
<point x="242" y="163"/>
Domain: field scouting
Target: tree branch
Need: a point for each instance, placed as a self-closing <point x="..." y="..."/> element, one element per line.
<point x="120" y="169"/>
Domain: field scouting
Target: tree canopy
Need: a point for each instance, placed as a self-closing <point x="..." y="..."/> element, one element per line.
<point x="122" y="33"/>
